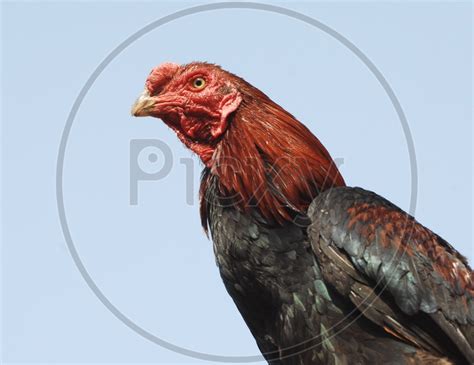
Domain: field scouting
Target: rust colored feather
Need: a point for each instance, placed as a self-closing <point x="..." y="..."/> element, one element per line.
<point x="269" y="160"/>
<point x="401" y="230"/>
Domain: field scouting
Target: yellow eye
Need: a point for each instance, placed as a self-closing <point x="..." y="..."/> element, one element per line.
<point x="199" y="83"/>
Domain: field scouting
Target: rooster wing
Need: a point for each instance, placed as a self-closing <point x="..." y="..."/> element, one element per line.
<point x="397" y="273"/>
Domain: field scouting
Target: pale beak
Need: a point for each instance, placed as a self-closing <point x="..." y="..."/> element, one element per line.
<point x="144" y="105"/>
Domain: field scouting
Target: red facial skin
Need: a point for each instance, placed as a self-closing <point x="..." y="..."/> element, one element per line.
<point x="199" y="116"/>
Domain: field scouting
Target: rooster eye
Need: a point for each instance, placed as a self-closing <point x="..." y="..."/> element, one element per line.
<point x="199" y="83"/>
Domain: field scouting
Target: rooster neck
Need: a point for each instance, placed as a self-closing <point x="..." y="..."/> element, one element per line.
<point x="270" y="162"/>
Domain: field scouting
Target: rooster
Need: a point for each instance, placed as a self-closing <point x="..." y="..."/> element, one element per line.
<point x="322" y="273"/>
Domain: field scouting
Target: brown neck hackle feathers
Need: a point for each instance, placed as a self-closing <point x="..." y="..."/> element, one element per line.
<point x="269" y="161"/>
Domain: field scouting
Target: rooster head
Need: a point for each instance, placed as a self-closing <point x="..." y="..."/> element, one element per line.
<point x="195" y="100"/>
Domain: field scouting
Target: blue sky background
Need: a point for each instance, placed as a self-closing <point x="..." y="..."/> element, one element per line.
<point x="152" y="260"/>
